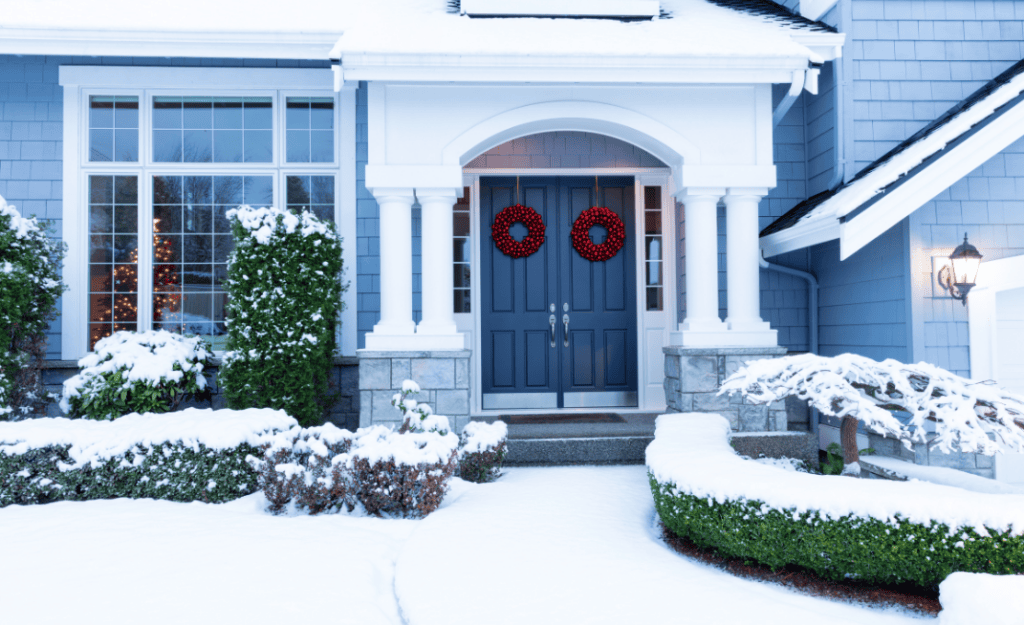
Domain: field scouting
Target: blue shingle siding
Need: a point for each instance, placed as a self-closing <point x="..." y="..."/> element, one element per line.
<point x="913" y="60"/>
<point x="367" y="232"/>
<point x="863" y="299"/>
<point x="31" y="133"/>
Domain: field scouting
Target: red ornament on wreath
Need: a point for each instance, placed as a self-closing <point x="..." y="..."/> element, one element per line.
<point x="598" y="216"/>
<point x="518" y="214"/>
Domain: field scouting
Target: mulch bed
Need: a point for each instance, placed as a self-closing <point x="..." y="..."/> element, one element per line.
<point x="913" y="598"/>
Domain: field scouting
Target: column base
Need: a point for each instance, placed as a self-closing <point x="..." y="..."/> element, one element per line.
<point x="418" y="342"/>
<point x="442" y="375"/>
<point x="725" y="338"/>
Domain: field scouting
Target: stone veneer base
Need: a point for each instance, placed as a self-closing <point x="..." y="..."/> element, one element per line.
<point x="443" y="377"/>
<point x="693" y="376"/>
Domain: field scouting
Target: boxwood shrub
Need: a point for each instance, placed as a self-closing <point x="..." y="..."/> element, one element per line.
<point x="867" y="549"/>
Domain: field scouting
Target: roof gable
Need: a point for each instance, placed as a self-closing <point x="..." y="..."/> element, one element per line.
<point x="903" y="179"/>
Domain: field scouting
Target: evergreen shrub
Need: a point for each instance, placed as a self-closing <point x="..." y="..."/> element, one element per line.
<point x="482" y="450"/>
<point x="862" y="548"/>
<point x="284" y="283"/>
<point x="191" y="455"/>
<point x="29" y="287"/>
<point x="143" y="372"/>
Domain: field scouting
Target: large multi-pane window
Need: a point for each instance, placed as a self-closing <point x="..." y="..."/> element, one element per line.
<point x="159" y="186"/>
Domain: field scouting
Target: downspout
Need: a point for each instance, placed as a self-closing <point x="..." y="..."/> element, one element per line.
<point x="795" y="88"/>
<point x="812" y="316"/>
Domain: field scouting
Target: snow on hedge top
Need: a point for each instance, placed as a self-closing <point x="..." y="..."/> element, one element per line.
<point x="972" y="598"/>
<point x="262" y="223"/>
<point x="697" y="28"/>
<point x="692" y="452"/>
<point x="480" y="435"/>
<point x="95" y="441"/>
<point x="21" y="226"/>
<point x="145" y="357"/>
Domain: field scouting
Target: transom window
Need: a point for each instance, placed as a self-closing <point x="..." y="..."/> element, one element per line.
<point x="158" y="186"/>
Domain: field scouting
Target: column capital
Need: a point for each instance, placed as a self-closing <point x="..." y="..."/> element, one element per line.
<point x="438" y="193"/>
<point x="712" y="192"/>
<point x="758" y="192"/>
<point x="395" y="194"/>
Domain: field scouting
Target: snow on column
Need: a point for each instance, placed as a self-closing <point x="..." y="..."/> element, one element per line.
<point x="438" y="307"/>
<point x="743" y="266"/>
<point x="395" y="266"/>
<point x="701" y="208"/>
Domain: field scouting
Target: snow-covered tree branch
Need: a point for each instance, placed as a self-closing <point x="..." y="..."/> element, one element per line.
<point x="974" y="417"/>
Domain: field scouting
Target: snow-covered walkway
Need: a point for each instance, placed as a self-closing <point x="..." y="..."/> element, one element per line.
<point x="540" y="546"/>
<point x="579" y="545"/>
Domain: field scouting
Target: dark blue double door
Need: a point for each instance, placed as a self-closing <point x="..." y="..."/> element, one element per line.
<point x="557" y="330"/>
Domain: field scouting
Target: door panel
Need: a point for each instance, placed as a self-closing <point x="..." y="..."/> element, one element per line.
<point x="594" y="363"/>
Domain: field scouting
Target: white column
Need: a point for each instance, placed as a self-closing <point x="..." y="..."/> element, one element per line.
<point x="438" y="289"/>
<point x="701" y="214"/>
<point x="395" y="270"/>
<point x="743" y="269"/>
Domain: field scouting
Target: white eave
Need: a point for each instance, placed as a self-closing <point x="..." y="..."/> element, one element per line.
<point x="591" y="8"/>
<point x="161" y="43"/>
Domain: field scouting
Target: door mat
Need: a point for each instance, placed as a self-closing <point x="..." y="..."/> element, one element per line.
<point x="536" y="419"/>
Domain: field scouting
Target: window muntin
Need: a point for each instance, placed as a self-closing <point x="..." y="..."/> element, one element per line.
<point x="191" y="243"/>
<point x="461" y="253"/>
<point x="312" y="193"/>
<point x="203" y="129"/>
<point x="653" y="245"/>
<point x="113" y="255"/>
<point x="309" y="124"/>
<point x="114" y="128"/>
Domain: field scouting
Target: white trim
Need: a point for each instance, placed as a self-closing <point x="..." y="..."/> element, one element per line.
<point x="75" y="302"/>
<point x="530" y="8"/>
<point x="177" y="78"/>
<point x="209" y="44"/>
<point x="812" y="232"/>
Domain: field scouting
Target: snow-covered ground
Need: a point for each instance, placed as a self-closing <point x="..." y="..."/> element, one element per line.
<point x="548" y="545"/>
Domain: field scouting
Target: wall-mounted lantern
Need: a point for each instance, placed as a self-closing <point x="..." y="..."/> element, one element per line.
<point x="958" y="277"/>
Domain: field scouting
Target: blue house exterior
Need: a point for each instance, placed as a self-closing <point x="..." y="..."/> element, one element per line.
<point x="893" y="68"/>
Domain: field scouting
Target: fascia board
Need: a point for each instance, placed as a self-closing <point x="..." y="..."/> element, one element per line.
<point x="828" y="46"/>
<point x="134" y="77"/>
<point x="208" y="44"/>
<point x="610" y="8"/>
<point x="800" y="236"/>
<point x="601" y="70"/>
<point x="938" y="176"/>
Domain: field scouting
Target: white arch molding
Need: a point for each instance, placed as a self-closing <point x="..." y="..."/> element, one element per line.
<point x="620" y="123"/>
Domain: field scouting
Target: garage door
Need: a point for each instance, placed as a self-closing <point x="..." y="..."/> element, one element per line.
<point x="1009" y="345"/>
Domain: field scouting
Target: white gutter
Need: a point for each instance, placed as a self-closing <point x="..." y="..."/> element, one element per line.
<point x="795" y="89"/>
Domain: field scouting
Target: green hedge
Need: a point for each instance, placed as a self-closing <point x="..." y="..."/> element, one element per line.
<point x="866" y="549"/>
<point x="170" y="471"/>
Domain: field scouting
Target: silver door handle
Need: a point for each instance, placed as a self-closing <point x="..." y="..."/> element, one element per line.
<point x="565" y="336"/>
<point x="551" y="320"/>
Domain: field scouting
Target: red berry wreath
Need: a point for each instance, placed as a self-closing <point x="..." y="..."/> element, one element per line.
<point x="598" y="215"/>
<point x="526" y="216"/>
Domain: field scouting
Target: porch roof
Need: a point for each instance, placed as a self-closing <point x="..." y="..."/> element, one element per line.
<point x="903" y="179"/>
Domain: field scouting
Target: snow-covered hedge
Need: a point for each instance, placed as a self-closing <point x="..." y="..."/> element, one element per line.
<point x="874" y="530"/>
<point x="29" y="287"/>
<point x="191" y="455"/>
<point x="973" y="598"/>
<point x="141" y="372"/>
<point x="482" y="450"/>
<point x="387" y="472"/>
<point x="284" y="283"/>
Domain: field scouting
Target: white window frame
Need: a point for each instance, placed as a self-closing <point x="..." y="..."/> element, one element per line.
<point x="80" y="82"/>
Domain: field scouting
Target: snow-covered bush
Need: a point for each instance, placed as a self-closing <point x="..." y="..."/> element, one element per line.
<point x="482" y="450"/>
<point x="29" y="287"/>
<point x="143" y="372"/>
<point x="968" y="416"/>
<point x="297" y="466"/>
<point x="873" y="530"/>
<point x="417" y="417"/>
<point x="191" y="455"/>
<point x="284" y="283"/>
<point x="387" y="472"/>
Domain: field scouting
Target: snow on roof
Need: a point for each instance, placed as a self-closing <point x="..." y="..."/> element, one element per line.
<point x="910" y="157"/>
<point x="701" y="28"/>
